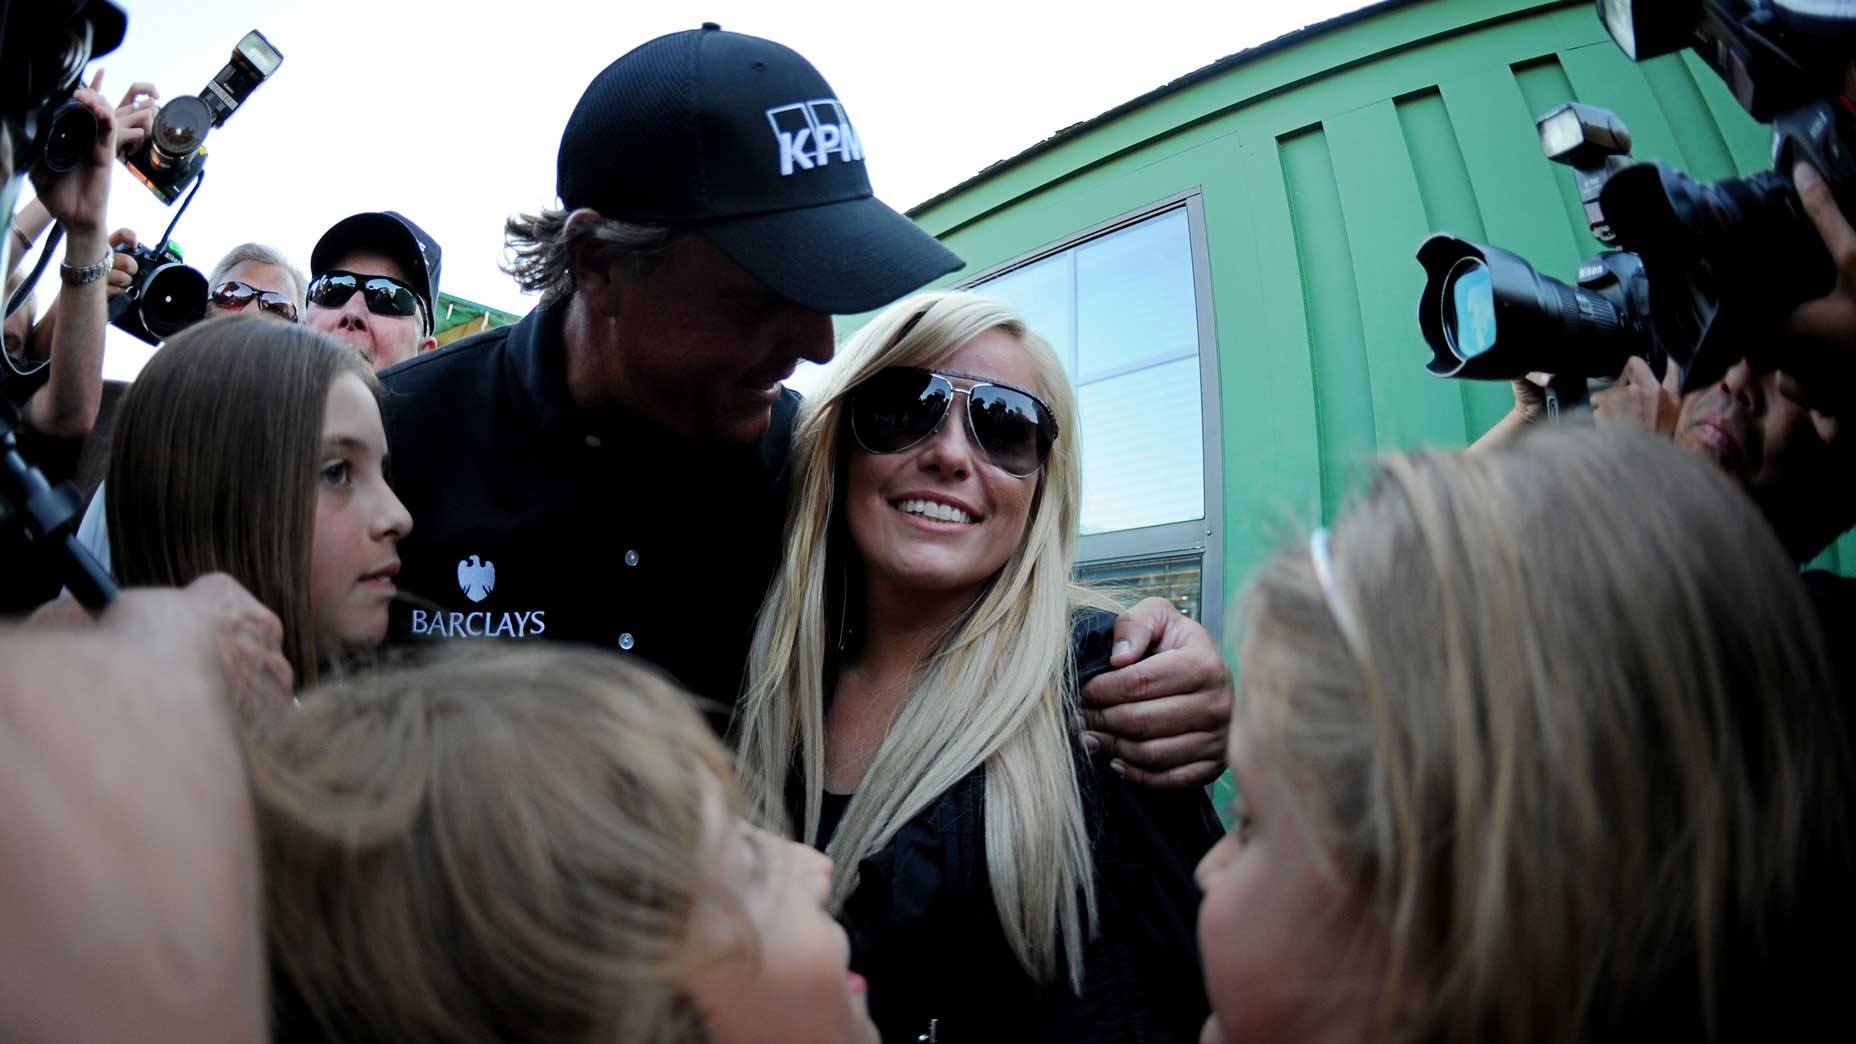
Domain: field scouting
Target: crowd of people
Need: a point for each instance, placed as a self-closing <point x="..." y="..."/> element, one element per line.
<point x="578" y="681"/>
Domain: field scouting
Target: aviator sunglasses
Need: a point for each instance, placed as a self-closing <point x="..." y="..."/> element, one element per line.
<point x="234" y="295"/>
<point x="384" y="296"/>
<point x="899" y="407"/>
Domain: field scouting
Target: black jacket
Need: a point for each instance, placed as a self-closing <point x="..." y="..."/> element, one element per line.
<point x="925" y="933"/>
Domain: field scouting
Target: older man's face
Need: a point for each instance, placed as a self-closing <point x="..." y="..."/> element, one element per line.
<point x="382" y="339"/>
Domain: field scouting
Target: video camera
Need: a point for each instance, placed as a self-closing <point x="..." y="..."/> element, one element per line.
<point x="175" y="149"/>
<point x="1709" y="273"/>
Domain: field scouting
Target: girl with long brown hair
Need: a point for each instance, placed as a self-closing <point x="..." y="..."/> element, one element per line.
<point x="255" y="448"/>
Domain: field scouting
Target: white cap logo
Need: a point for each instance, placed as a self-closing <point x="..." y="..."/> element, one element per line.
<point x="810" y="133"/>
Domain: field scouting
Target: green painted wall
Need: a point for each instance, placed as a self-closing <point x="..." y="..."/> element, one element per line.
<point x="1322" y="165"/>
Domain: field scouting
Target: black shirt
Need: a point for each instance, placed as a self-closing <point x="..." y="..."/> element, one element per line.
<point x="533" y="518"/>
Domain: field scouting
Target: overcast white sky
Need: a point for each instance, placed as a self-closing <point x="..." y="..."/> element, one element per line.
<point x="451" y="112"/>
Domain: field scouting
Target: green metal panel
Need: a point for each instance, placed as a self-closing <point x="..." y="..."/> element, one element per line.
<point x="1321" y="166"/>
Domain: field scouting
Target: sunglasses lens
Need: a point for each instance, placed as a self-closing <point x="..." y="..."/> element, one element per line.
<point x="1006" y="425"/>
<point x="277" y="305"/>
<point x="333" y="291"/>
<point x="232" y="295"/>
<point x="386" y="297"/>
<point x="898" y="408"/>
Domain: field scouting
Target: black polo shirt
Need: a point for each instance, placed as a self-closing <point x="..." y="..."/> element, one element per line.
<point x="534" y="519"/>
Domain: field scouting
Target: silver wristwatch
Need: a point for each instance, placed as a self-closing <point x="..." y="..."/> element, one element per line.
<point x="88" y="274"/>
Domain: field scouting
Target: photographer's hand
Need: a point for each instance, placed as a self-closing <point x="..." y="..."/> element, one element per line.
<point x="1530" y="407"/>
<point x="1832" y="318"/>
<point x="79" y="197"/>
<point x="122" y="266"/>
<point x="1639" y="400"/>
<point x="135" y="117"/>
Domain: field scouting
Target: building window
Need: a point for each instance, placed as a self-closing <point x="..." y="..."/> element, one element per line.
<point x="1127" y="307"/>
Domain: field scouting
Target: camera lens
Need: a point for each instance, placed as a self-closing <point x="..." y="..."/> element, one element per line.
<point x="180" y="130"/>
<point x="1487" y="315"/>
<point x="173" y="298"/>
<point x="72" y="134"/>
<point x="1469" y="309"/>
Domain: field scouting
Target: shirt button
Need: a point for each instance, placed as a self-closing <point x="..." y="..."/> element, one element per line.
<point x="593" y="441"/>
<point x="631" y="558"/>
<point x="626" y="642"/>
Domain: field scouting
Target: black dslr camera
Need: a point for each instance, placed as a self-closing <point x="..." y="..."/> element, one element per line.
<point x="175" y="150"/>
<point x="165" y="297"/>
<point x="48" y="43"/>
<point x="1709" y="272"/>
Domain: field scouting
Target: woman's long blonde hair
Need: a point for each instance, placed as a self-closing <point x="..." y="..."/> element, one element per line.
<point x="507" y="843"/>
<point x="1562" y="715"/>
<point x="994" y="692"/>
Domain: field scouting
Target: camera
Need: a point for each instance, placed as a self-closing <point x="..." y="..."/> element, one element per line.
<point x="1708" y="272"/>
<point x="1488" y="315"/>
<point x="174" y="152"/>
<point x="165" y="297"/>
<point x="48" y="44"/>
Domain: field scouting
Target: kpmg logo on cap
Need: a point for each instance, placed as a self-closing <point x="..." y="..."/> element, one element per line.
<point x="811" y="133"/>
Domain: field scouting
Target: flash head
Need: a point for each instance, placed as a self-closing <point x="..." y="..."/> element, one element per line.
<point x="1582" y="135"/>
<point x="1648" y="28"/>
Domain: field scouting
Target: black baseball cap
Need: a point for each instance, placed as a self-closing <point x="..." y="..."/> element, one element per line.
<point x="741" y="139"/>
<point x="393" y="235"/>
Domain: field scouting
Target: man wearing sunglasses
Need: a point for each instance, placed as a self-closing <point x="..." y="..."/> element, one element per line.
<point x="613" y="468"/>
<point x="255" y="278"/>
<point x="373" y="284"/>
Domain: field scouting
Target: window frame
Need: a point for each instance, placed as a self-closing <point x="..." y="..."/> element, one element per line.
<point x="1205" y="536"/>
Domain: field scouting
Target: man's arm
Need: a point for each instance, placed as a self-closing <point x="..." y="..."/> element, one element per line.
<point x="1163" y="714"/>
<point x="67" y="404"/>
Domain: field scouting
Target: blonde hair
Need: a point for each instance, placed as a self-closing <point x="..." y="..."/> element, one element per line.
<point x="994" y="693"/>
<point x="506" y="843"/>
<point x="1561" y="718"/>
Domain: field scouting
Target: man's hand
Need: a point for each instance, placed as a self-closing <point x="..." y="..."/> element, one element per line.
<point x="1832" y="318"/>
<point x="79" y="197"/>
<point x="122" y="266"/>
<point x="1639" y="400"/>
<point x="216" y="624"/>
<point x="1164" y="714"/>
<point x="135" y="117"/>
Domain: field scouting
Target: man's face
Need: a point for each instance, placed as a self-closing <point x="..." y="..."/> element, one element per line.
<point x="1754" y="425"/>
<point x="702" y="346"/>
<point x="382" y="339"/>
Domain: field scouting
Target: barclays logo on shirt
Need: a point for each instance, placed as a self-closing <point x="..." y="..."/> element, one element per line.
<point x="476" y="579"/>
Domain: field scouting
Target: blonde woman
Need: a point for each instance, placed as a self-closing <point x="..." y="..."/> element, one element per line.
<point x="911" y="702"/>
<point x="1537" y="745"/>
<point x="537" y="844"/>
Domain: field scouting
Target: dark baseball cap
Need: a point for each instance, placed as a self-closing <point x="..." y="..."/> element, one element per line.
<point x="392" y="235"/>
<point x="741" y="139"/>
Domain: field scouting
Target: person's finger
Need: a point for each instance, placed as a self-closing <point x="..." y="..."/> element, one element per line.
<point x="1135" y="630"/>
<point x="1166" y="716"/>
<point x="96" y="82"/>
<point x="1637" y="371"/>
<point x="1826" y="426"/>
<point x="1839" y="238"/>
<point x="1196" y="774"/>
<point x="1672" y="379"/>
<point x="123" y="237"/>
<point x="1539" y="379"/>
<point x="1159" y="755"/>
<point x="138" y="93"/>
<point x="1169" y="672"/>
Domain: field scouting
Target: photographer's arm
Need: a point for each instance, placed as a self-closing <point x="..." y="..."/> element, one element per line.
<point x="1530" y="407"/>
<point x="67" y="405"/>
<point x="1164" y="712"/>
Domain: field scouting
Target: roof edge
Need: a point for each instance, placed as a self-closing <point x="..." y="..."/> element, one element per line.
<point x="1216" y="68"/>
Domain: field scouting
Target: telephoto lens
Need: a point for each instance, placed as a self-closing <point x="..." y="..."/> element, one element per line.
<point x="1487" y="315"/>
